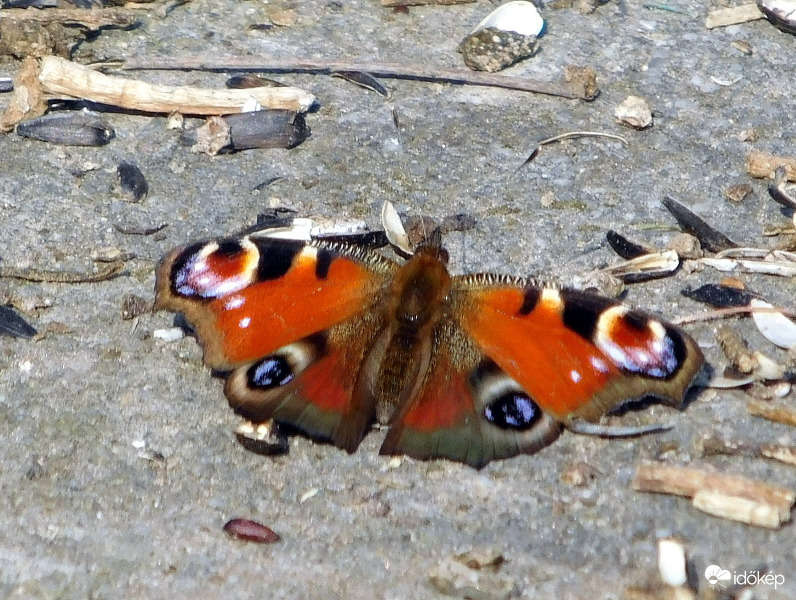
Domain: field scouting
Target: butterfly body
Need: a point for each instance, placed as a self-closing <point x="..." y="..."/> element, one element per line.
<point x="331" y="338"/>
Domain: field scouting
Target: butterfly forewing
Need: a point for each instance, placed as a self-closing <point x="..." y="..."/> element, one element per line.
<point x="576" y="354"/>
<point x="250" y="296"/>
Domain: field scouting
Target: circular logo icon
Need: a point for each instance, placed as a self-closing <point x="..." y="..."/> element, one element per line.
<point x="716" y="575"/>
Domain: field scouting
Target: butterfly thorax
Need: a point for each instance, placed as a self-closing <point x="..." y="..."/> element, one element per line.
<point x="413" y="306"/>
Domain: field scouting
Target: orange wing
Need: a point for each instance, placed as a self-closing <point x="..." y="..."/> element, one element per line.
<point x="575" y="354"/>
<point x="247" y="297"/>
<point x="467" y="409"/>
<point x="315" y="384"/>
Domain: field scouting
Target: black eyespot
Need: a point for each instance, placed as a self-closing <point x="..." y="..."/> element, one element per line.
<point x="272" y="371"/>
<point x="513" y="410"/>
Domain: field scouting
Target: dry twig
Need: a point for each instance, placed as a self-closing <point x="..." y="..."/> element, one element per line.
<point x="773" y="412"/>
<point x="392" y="3"/>
<point x="764" y="164"/>
<point x="91" y="19"/>
<point x="57" y="78"/>
<point x="104" y="273"/>
<point x="584" y="90"/>
<point x="734" y="15"/>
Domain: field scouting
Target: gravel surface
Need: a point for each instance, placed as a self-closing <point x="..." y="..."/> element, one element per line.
<point x="119" y="466"/>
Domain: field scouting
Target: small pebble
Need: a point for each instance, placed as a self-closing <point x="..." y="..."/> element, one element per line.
<point x="172" y="334"/>
<point x="634" y="112"/>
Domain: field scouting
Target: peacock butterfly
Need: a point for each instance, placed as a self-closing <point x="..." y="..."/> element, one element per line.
<point x="331" y="337"/>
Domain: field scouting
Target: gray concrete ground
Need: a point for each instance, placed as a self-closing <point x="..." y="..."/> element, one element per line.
<point x="87" y="515"/>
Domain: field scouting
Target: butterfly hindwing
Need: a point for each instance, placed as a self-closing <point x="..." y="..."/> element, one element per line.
<point x="247" y="297"/>
<point x="576" y="354"/>
<point x="467" y="409"/>
<point x="315" y="384"/>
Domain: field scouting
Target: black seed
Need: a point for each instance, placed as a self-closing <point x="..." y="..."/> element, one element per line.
<point x="273" y="371"/>
<point x="512" y="410"/>
<point x="132" y="180"/>
<point x="276" y="258"/>
<point x="323" y="263"/>
<point x="720" y="296"/>
<point x="530" y="298"/>
<point x="69" y="128"/>
<point x="14" y="325"/>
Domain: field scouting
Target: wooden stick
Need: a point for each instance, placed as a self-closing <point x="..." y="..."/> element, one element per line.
<point x="61" y="78"/>
<point x="578" y="90"/>
<point x="93" y="19"/>
<point x="773" y="412"/>
<point x="392" y="3"/>
<point x="103" y="273"/>
<point x="723" y="17"/>
<point x="763" y="164"/>
<point x="727" y="496"/>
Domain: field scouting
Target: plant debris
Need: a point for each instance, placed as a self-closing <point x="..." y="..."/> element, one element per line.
<point x="710" y="238"/>
<point x="786" y="415"/>
<point x="262" y="438"/>
<point x="726" y="496"/>
<point x="583" y="87"/>
<point x="763" y="165"/>
<point x="105" y="272"/>
<point x="82" y="128"/>
<point x="13" y="325"/>
<point x="57" y="78"/>
<point x="132" y="181"/>
<point x="363" y="80"/>
<point x="724" y="17"/>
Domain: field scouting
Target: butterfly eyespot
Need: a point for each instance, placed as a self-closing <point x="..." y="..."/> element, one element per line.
<point x="271" y="372"/>
<point x="512" y="410"/>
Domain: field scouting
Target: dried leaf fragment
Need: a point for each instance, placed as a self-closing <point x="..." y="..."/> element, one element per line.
<point x="625" y="247"/>
<point x="738" y="192"/>
<point x="735" y="508"/>
<point x="646" y="267"/>
<point x="720" y="296"/>
<point x="735" y="349"/>
<point x="132" y="181"/>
